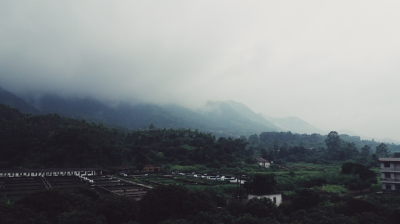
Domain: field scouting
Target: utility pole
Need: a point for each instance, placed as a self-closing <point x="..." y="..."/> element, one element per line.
<point x="240" y="187"/>
<point x="238" y="182"/>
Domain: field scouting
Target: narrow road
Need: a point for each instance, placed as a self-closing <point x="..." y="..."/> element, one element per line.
<point x="146" y="186"/>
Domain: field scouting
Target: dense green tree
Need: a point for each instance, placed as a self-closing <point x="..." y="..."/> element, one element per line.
<point x="358" y="206"/>
<point x="382" y="150"/>
<point x="173" y="202"/>
<point x="253" y="139"/>
<point x="365" y="177"/>
<point x="264" y="153"/>
<point x="141" y="160"/>
<point x="365" y="151"/>
<point x="260" y="184"/>
<point x="305" y="198"/>
<point x="263" y="208"/>
<point x="78" y="217"/>
<point x="52" y="203"/>
<point x="117" y="209"/>
<point x="333" y="142"/>
<point x="284" y="150"/>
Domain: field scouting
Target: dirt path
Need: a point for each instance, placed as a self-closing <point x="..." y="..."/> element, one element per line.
<point x="146" y="186"/>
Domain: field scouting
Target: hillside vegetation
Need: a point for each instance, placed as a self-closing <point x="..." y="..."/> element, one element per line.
<point x="55" y="141"/>
<point x="29" y="141"/>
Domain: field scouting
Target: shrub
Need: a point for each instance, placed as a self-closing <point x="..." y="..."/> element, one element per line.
<point x="334" y="189"/>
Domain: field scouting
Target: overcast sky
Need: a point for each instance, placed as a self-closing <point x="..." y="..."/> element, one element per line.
<point x="334" y="64"/>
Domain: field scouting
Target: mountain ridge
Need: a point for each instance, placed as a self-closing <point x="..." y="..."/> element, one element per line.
<point x="222" y="118"/>
<point x="294" y="124"/>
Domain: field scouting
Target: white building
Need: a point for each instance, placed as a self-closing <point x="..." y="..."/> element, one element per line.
<point x="390" y="174"/>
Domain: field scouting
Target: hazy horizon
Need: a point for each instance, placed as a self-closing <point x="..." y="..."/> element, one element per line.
<point x="332" y="64"/>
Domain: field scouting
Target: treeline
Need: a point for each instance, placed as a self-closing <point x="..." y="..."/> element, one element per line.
<point x="277" y="139"/>
<point x="315" y="148"/>
<point x="28" y="141"/>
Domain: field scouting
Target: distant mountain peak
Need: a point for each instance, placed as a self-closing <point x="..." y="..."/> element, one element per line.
<point x="11" y="99"/>
<point x="294" y="124"/>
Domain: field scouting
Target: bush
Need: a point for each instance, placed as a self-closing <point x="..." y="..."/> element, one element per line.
<point x="173" y="202"/>
<point x="288" y="194"/>
<point x="263" y="208"/>
<point x="334" y="189"/>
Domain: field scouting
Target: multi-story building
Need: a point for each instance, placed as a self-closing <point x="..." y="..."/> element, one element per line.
<point x="390" y="174"/>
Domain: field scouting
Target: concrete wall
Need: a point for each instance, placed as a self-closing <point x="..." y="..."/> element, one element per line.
<point x="384" y="186"/>
<point x="392" y="165"/>
<point x="266" y="165"/>
<point x="57" y="173"/>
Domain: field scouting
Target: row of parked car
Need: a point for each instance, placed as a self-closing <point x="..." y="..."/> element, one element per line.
<point x="210" y="177"/>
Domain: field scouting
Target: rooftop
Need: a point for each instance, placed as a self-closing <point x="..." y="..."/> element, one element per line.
<point x="261" y="160"/>
<point x="49" y="170"/>
<point x="389" y="159"/>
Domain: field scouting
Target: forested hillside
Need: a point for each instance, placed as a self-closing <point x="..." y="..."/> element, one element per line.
<point x="55" y="141"/>
<point x="277" y="139"/>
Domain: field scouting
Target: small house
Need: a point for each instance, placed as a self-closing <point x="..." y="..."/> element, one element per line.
<point x="263" y="162"/>
<point x="152" y="168"/>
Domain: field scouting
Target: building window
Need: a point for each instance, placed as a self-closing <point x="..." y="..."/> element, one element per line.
<point x="387" y="175"/>
<point x="388" y="187"/>
<point x="387" y="164"/>
<point x="275" y="200"/>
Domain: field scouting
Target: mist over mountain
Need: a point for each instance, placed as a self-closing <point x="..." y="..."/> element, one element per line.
<point x="347" y="132"/>
<point x="280" y="60"/>
<point x="12" y="100"/>
<point x="223" y="113"/>
<point x="222" y="118"/>
<point x="384" y="140"/>
<point x="251" y="115"/>
<point x="294" y="124"/>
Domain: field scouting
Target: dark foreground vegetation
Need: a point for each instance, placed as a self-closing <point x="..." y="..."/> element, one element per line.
<point x="176" y="204"/>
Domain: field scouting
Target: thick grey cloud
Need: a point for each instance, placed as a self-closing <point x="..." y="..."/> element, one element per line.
<point x="333" y="64"/>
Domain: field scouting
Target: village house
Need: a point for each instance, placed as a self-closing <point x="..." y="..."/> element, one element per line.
<point x="263" y="162"/>
<point x="152" y="168"/>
